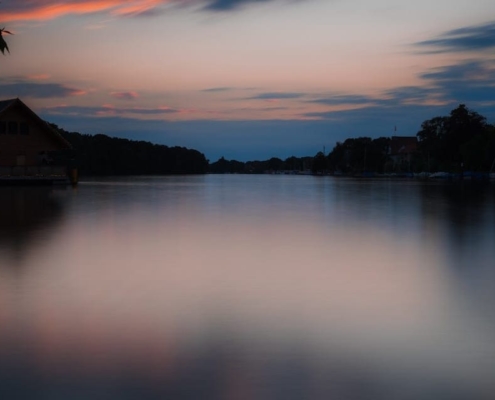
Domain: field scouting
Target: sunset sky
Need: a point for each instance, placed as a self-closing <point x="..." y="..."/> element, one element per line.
<point x="248" y="79"/>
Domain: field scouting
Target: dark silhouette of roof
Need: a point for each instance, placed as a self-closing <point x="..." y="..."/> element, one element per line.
<point x="6" y="104"/>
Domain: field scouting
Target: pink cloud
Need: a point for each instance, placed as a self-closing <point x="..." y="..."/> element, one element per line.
<point x="78" y="92"/>
<point x="106" y="110"/>
<point x="125" y="95"/>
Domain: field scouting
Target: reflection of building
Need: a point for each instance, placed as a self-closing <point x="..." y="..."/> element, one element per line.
<point x="30" y="150"/>
<point x="29" y="216"/>
<point x="402" y="149"/>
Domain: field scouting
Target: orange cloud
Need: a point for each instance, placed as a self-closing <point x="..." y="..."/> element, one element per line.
<point x="40" y="11"/>
<point x="139" y="7"/>
<point x="45" y="12"/>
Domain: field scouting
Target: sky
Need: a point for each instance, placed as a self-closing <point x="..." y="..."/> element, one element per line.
<point x="249" y="79"/>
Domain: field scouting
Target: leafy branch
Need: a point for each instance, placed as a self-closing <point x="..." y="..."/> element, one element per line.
<point x="3" y="43"/>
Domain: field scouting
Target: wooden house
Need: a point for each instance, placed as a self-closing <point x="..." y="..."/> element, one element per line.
<point x="27" y="146"/>
<point x="402" y="149"/>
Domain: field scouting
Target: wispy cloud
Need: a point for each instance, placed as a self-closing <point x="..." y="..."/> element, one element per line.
<point x="109" y="110"/>
<point x="141" y="7"/>
<point x="386" y="103"/>
<point x="399" y="96"/>
<point x="344" y="99"/>
<point x="217" y="89"/>
<point x="34" y="89"/>
<point x="470" y="81"/>
<point x="379" y="120"/>
<point x="46" y="9"/>
<point x="465" y="71"/>
<point x="125" y="95"/>
<point x="429" y="94"/>
<point x="228" y="5"/>
<point x="276" y="96"/>
<point x="473" y="38"/>
<point x="41" y="10"/>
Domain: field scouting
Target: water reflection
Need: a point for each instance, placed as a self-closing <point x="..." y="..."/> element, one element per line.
<point x="462" y="219"/>
<point x="264" y="287"/>
<point x="462" y="206"/>
<point x="28" y="217"/>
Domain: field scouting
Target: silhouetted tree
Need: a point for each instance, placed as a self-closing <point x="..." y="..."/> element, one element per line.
<point x="223" y="166"/>
<point x="3" y="43"/>
<point x="443" y="141"/>
<point x="293" y="163"/>
<point x="478" y="153"/>
<point x="431" y="137"/>
<point x="275" y="164"/>
<point x="319" y="164"/>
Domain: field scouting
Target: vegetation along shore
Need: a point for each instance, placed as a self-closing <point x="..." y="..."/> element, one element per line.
<point x="462" y="143"/>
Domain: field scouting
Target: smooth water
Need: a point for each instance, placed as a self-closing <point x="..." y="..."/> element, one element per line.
<point x="248" y="287"/>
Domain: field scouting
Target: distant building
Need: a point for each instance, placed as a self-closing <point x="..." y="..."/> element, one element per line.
<point x="401" y="150"/>
<point x="29" y="146"/>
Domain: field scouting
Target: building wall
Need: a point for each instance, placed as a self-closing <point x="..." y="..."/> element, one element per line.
<point x="23" y="147"/>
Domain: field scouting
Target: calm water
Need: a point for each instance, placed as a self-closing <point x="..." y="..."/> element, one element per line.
<point x="248" y="287"/>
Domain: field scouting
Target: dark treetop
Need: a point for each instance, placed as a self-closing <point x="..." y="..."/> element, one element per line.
<point x="103" y="155"/>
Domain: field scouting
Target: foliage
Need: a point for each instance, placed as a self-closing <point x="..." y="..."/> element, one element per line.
<point x="3" y="43"/>
<point x="320" y="163"/>
<point x="462" y="140"/>
<point x="361" y="154"/>
<point x="223" y="166"/>
<point x="273" y="165"/>
<point x="104" y="155"/>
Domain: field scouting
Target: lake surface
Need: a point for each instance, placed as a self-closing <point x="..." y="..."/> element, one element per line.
<point x="248" y="287"/>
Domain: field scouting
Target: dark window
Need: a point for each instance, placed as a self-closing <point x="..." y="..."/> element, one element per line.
<point x="13" y="127"/>
<point x="24" y="128"/>
<point x="3" y="127"/>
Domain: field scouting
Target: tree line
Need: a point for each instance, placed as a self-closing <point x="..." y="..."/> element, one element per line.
<point x="273" y="165"/>
<point x="104" y="155"/>
<point x="461" y="141"/>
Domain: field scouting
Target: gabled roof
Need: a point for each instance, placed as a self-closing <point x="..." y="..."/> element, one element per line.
<point x="403" y="145"/>
<point x="6" y="104"/>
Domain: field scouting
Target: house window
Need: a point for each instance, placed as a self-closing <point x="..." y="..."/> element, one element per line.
<point x="12" y="127"/>
<point x="24" y="128"/>
<point x="3" y="127"/>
